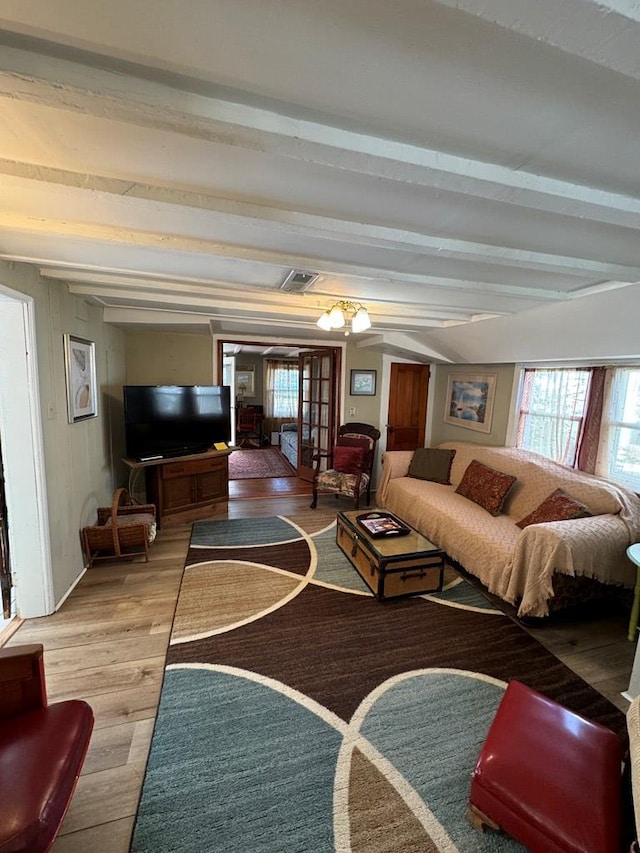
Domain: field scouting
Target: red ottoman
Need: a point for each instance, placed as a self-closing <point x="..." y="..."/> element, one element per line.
<point x="548" y="777"/>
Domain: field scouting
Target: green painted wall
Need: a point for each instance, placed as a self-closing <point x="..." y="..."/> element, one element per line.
<point x="367" y="408"/>
<point x="169" y="358"/>
<point x="442" y="431"/>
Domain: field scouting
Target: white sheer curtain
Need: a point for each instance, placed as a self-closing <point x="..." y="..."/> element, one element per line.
<point x="281" y="397"/>
<point x="619" y="448"/>
<point x="552" y="409"/>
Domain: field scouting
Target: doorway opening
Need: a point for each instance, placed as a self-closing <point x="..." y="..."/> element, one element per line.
<point x="25" y="509"/>
<point x="279" y="414"/>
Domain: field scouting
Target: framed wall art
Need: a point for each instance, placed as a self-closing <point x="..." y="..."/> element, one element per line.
<point x="469" y="401"/>
<point x="80" y="372"/>
<point x="245" y="381"/>
<point x="363" y="383"/>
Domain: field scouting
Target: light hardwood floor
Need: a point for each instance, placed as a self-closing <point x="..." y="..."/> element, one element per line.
<point x="107" y="645"/>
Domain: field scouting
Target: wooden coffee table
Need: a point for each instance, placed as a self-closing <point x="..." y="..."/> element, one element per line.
<point x="391" y="567"/>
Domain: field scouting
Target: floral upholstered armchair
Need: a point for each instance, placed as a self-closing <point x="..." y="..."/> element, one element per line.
<point x="349" y="465"/>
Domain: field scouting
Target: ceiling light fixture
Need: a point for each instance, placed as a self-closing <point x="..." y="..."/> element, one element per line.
<point x="351" y="316"/>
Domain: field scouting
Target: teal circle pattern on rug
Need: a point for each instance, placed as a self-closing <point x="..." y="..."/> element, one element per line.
<point x="333" y="568"/>
<point x="242" y="532"/>
<point x="246" y="765"/>
<point x="459" y="593"/>
<point x="431" y="726"/>
<point x="236" y="767"/>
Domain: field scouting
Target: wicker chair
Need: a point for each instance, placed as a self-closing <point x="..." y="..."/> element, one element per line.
<point x="123" y="529"/>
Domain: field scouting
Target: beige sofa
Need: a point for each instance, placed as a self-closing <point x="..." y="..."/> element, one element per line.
<point x="521" y="566"/>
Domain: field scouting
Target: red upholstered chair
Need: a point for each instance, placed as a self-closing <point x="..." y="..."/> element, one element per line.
<point x="42" y="750"/>
<point x="548" y="777"/>
<point x="349" y="465"/>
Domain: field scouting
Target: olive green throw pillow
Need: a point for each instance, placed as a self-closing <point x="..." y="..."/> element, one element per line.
<point x="432" y="463"/>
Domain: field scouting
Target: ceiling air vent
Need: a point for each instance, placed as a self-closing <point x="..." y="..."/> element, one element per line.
<point x="297" y="281"/>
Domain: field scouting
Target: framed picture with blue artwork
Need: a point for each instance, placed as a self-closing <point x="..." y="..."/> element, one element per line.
<point x="469" y="401"/>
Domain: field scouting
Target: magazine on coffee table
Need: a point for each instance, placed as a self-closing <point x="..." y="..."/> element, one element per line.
<point x="379" y="524"/>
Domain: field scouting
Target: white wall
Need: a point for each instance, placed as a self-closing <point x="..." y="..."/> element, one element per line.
<point x="601" y="326"/>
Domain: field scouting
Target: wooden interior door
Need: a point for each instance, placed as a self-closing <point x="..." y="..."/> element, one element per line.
<point x="408" y="392"/>
<point x="318" y="409"/>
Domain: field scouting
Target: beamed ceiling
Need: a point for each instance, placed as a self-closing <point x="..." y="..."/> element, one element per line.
<point x="442" y="162"/>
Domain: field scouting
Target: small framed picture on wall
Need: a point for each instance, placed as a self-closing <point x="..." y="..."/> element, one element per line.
<point x="80" y="374"/>
<point x="363" y="383"/>
<point x="245" y="381"/>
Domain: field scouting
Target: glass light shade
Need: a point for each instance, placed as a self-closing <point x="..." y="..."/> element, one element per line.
<point x="324" y="321"/>
<point x="361" y="321"/>
<point x="336" y="315"/>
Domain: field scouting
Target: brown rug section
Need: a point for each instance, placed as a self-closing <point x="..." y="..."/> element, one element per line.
<point x="214" y="595"/>
<point x="259" y="464"/>
<point x="294" y="557"/>
<point x="337" y="647"/>
<point x="380" y="821"/>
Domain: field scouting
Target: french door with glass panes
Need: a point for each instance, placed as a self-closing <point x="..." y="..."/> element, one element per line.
<point x="318" y="411"/>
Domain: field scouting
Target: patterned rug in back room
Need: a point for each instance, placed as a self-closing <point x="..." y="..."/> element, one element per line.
<point x="258" y="464"/>
<point x="298" y="713"/>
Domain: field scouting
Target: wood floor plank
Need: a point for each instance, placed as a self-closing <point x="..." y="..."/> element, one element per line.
<point x="134" y="704"/>
<point x="67" y="635"/>
<point x="91" y="681"/>
<point x="79" y="658"/>
<point x="105" y="796"/>
<point x="112" y="837"/>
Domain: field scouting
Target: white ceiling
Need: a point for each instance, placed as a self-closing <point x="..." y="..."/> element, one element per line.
<point x="442" y="162"/>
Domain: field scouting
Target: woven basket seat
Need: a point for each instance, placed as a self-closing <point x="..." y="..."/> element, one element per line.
<point x="124" y="529"/>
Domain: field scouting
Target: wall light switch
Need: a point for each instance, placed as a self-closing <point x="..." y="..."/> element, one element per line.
<point x="51" y="410"/>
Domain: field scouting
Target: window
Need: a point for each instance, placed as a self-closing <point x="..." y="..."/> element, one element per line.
<point x="588" y="418"/>
<point x="552" y="409"/>
<point x="282" y="389"/>
<point x="619" y="457"/>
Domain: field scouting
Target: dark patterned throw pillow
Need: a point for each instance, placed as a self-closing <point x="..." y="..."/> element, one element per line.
<point x="485" y="486"/>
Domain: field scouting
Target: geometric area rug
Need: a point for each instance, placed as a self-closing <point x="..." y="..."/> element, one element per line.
<point x="299" y="713"/>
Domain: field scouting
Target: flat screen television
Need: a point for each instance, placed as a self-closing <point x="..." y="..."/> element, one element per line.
<point x="175" y="420"/>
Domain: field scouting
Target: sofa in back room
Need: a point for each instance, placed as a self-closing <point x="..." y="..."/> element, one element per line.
<point x="528" y="567"/>
<point x="289" y="442"/>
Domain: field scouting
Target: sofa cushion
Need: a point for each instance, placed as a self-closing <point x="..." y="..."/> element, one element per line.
<point x="432" y="463"/>
<point x="131" y="519"/>
<point x="485" y="486"/>
<point x="558" y="506"/>
<point x="347" y="460"/>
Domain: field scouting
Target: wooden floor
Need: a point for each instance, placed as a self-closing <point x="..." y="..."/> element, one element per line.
<point x="107" y="644"/>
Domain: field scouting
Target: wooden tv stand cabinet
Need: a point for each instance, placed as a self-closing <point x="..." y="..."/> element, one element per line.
<point x="186" y="488"/>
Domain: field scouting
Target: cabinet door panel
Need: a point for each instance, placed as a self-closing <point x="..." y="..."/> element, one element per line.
<point x="211" y="486"/>
<point x="178" y="492"/>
